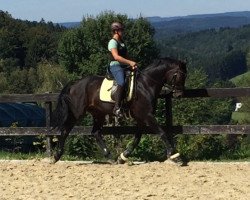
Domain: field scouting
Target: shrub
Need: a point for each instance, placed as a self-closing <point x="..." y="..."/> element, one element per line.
<point x="200" y="147"/>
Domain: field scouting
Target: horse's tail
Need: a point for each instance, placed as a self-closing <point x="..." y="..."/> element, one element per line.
<point x="61" y="112"/>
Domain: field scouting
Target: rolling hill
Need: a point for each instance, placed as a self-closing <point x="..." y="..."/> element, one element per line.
<point x="171" y="26"/>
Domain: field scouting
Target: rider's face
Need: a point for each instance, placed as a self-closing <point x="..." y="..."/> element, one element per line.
<point x="120" y="32"/>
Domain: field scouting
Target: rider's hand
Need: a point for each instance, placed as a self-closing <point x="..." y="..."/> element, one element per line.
<point x="133" y="65"/>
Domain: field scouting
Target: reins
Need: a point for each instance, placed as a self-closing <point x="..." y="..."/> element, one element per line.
<point x="171" y="85"/>
<point x="141" y="72"/>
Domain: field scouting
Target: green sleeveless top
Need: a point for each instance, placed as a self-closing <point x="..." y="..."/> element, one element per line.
<point x="121" y="48"/>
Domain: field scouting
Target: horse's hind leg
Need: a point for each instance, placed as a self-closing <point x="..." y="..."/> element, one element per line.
<point x="61" y="141"/>
<point x="96" y="132"/>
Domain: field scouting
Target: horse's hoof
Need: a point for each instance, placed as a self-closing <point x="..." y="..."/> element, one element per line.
<point x="120" y="160"/>
<point x="176" y="158"/>
<point x="56" y="158"/>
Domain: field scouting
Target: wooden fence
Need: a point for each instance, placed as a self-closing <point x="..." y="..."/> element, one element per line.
<point x="49" y="98"/>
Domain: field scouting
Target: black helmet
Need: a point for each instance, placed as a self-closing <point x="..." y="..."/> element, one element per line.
<point x="115" y="26"/>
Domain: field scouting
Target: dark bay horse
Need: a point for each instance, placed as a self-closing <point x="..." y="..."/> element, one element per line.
<point x="82" y="96"/>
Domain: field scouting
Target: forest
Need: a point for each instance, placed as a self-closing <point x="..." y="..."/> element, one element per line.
<point x="38" y="57"/>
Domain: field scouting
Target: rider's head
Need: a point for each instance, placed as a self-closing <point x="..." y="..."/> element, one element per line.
<point x="116" y="27"/>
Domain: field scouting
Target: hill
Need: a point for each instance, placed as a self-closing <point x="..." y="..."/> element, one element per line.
<point x="228" y="14"/>
<point x="220" y="52"/>
<point x="179" y="25"/>
<point x="168" y="27"/>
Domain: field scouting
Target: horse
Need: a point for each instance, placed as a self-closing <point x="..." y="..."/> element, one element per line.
<point x="82" y="96"/>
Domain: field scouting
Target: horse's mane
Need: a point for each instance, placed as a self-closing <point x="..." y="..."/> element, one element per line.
<point x="165" y="60"/>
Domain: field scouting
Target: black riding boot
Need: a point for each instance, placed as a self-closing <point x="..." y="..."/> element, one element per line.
<point x="118" y="99"/>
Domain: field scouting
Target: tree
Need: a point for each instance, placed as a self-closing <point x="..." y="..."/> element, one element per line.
<point x="248" y="58"/>
<point x="3" y="83"/>
<point x="40" y="44"/>
<point x="25" y="43"/>
<point x="234" y="64"/>
<point x="51" y="78"/>
<point x="220" y="52"/>
<point x="84" y="50"/>
<point x="18" y="82"/>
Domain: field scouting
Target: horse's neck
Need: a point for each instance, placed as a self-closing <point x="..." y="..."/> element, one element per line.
<point x="154" y="78"/>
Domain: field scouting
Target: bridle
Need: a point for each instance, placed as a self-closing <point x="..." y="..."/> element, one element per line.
<point x="172" y="85"/>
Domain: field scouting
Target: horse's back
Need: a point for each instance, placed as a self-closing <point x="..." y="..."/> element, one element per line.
<point x="86" y="87"/>
<point x="86" y="83"/>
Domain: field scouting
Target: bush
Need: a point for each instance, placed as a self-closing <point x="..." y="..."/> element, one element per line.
<point x="81" y="147"/>
<point x="151" y="148"/>
<point x="201" y="147"/>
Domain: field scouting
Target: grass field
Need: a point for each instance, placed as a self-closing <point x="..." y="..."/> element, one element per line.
<point x="241" y="117"/>
<point x="238" y="80"/>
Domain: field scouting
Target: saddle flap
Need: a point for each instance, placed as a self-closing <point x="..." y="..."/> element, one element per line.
<point x="105" y="90"/>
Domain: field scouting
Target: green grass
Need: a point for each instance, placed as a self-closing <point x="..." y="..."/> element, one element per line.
<point x="20" y="156"/>
<point x="241" y="117"/>
<point x="238" y="79"/>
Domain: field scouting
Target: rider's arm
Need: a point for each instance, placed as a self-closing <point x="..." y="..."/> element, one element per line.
<point x="120" y="59"/>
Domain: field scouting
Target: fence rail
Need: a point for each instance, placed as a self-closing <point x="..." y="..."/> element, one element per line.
<point x="189" y="93"/>
<point x="126" y="130"/>
<point x="48" y="98"/>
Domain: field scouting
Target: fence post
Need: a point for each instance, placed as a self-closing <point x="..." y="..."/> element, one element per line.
<point x="169" y="117"/>
<point x="169" y="114"/>
<point x="48" y="108"/>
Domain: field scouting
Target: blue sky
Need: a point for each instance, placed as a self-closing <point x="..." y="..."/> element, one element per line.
<point x="74" y="10"/>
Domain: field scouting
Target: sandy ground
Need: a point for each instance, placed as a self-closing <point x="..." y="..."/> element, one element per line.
<point x="73" y="180"/>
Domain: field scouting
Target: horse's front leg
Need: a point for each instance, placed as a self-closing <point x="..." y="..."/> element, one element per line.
<point x="96" y="132"/>
<point x="168" y="139"/>
<point x="124" y="155"/>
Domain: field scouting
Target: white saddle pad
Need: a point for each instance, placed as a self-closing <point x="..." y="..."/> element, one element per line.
<point x="106" y="89"/>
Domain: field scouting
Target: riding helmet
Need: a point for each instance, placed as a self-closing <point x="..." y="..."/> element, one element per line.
<point x="115" y="26"/>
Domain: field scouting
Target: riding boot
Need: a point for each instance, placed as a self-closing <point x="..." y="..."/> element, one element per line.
<point x="118" y="99"/>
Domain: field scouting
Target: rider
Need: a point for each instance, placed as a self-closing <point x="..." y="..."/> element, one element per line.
<point x="118" y="63"/>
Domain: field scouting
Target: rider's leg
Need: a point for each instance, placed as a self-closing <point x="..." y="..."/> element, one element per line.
<point x="118" y="73"/>
<point x="118" y="99"/>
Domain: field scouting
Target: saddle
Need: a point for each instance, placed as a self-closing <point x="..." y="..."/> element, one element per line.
<point x="109" y="86"/>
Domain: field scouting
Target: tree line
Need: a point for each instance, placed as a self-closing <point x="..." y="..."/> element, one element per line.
<point x="220" y="52"/>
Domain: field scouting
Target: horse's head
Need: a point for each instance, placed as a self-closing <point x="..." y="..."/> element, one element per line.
<point x="175" y="78"/>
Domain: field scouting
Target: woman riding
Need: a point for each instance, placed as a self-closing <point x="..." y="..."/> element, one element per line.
<point x="118" y="63"/>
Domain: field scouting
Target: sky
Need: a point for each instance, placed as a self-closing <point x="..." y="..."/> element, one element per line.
<point x="59" y="11"/>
